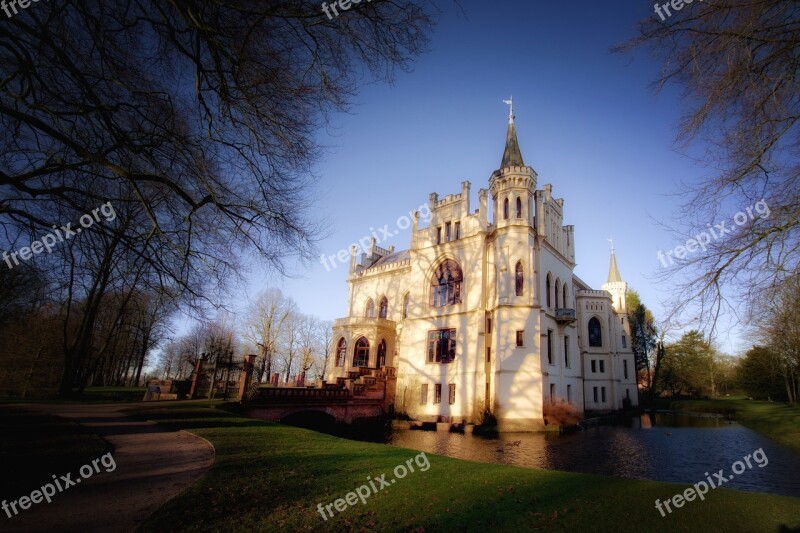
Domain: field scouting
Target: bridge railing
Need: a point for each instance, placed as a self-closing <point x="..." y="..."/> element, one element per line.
<point x="293" y="394"/>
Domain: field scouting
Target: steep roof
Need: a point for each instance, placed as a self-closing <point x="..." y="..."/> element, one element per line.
<point x="613" y="270"/>
<point x="512" y="156"/>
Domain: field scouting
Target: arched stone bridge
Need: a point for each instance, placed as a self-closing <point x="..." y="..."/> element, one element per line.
<point x="277" y="404"/>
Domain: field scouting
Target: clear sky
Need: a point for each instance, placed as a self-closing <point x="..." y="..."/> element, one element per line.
<point x="587" y="122"/>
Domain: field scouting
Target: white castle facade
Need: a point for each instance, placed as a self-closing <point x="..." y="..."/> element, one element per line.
<point x="485" y="315"/>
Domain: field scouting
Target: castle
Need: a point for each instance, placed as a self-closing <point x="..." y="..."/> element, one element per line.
<point x="486" y="315"/>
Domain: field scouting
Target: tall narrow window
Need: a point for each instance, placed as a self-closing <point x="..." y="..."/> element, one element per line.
<point x="438" y="235"/>
<point x="625" y="368"/>
<point x="423" y="397"/>
<point x="624" y="342"/>
<point x="569" y="393"/>
<point x="406" y="300"/>
<point x="566" y="352"/>
<point x="341" y="352"/>
<point x="595" y="333"/>
<point x="558" y="288"/>
<point x="457" y="230"/>
<point x="595" y="395"/>
<point x="505" y="209"/>
<point x="594" y="366"/>
<point x="603" y="390"/>
<point x="520" y="338"/>
<point x="447" y="231"/>
<point x="451" y="393"/>
<point x="602" y="366"/>
<point x="564" y="300"/>
<point x="361" y="353"/>
<point x="446" y="284"/>
<point x="370" y="309"/>
<point x="519" y="207"/>
<point x="550" y="346"/>
<point x="519" y="279"/>
<point x="437" y="393"/>
<point x="383" y="309"/>
<point x="488" y="354"/>
<point x="552" y="393"/>
<point x="382" y="354"/>
<point x="547" y="289"/>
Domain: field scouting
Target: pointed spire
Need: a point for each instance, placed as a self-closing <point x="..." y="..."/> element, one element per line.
<point x="512" y="157"/>
<point x="613" y="270"/>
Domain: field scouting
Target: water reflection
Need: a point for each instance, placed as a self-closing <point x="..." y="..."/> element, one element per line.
<point x="666" y="447"/>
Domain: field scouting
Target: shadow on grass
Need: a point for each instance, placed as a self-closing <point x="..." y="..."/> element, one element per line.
<point x="35" y="446"/>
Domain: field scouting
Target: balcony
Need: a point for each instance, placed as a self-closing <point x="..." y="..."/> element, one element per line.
<point x="565" y="316"/>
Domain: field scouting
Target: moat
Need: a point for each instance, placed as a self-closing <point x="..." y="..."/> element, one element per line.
<point x="672" y="447"/>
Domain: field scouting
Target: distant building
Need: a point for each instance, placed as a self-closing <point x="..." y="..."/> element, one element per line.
<point x="488" y="316"/>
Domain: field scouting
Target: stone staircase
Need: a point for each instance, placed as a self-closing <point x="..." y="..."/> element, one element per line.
<point x="370" y="383"/>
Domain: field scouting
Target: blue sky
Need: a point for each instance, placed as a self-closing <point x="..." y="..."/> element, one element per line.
<point x="587" y="121"/>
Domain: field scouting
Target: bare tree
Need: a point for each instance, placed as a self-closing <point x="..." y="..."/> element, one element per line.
<point x="195" y="120"/>
<point x="267" y="321"/>
<point x="736" y="62"/>
<point x="324" y="339"/>
<point x="779" y="328"/>
<point x="291" y="344"/>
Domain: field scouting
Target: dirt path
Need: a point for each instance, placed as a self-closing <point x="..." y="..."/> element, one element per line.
<point x="153" y="466"/>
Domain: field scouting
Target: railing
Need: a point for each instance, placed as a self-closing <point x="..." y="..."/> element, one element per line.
<point x="565" y="315"/>
<point x="292" y="394"/>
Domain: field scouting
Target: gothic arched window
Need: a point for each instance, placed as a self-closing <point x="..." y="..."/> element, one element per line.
<point x="547" y="289"/>
<point x="341" y="352"/>
<point x="406" y="300"/>
<point x="446" y="284"/>
<point x="505" y="209"/>
<point x="381" y="354"/>
<point x="519" y="279"/>
<point x="361" y="353"/>
<point x="383" y="308"/>
<point x="370" y="313"/>
<point x="519" y="207"/>
<point x="558" y="289"/>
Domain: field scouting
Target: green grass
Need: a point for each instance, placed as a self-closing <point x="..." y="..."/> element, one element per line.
<point x="777" y="421"/>
<point x="269" y="477"/>
<point x="33" y="447"/>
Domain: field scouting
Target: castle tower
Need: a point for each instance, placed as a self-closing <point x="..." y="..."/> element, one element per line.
<point x="616" y="286"/>
<point x="513" y="184"/>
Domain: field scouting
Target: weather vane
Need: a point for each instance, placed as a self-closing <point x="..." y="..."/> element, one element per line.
<point x="510" y="103"/>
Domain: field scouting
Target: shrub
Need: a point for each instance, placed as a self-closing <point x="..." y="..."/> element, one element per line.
<point x="561" y="413"/>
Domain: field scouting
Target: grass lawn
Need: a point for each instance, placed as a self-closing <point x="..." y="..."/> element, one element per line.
<point x="269" y="477"/>
<point x="777" y="421"/>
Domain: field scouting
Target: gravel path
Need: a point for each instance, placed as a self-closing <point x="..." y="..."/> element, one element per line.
<point x="153" y="466"/>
